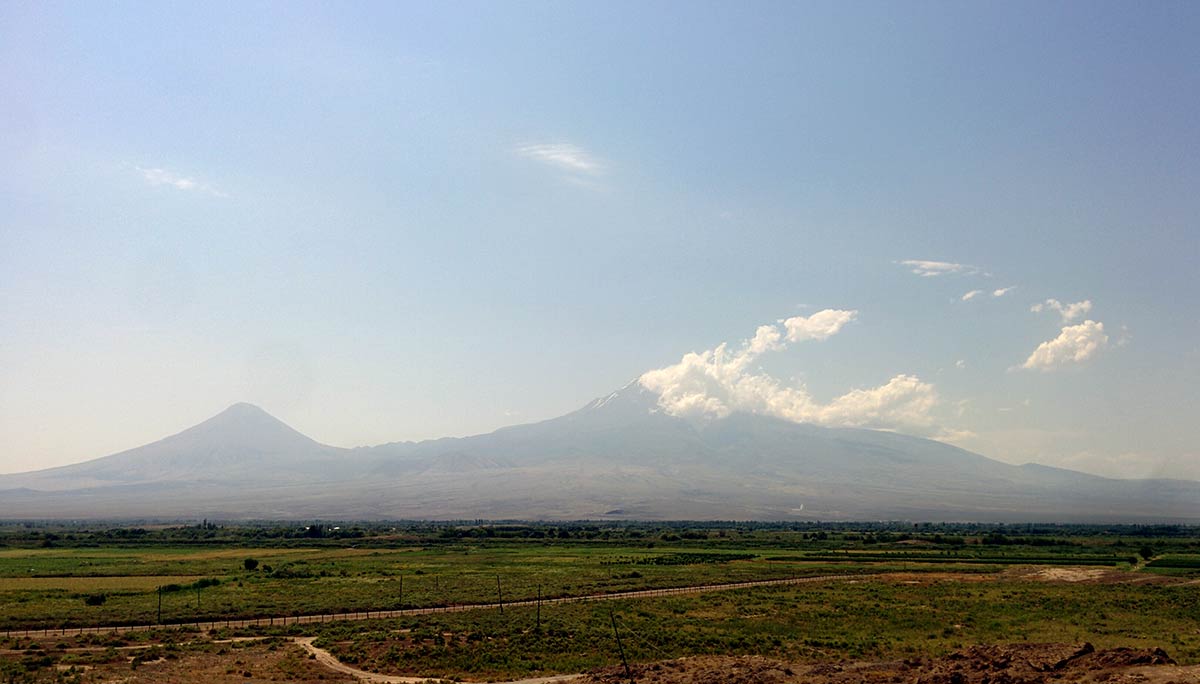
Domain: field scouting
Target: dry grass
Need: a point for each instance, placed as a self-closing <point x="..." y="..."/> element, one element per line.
<point x="93" y="584"/>
<point x="253" y="664"/>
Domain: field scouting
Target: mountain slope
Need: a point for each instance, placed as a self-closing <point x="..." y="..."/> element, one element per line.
<point x="619" y="456"/>
<point x="243" y="442"/>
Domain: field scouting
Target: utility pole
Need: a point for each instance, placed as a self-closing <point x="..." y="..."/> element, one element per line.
<point x="499" y="595"/>
<point x="620" y="648"/>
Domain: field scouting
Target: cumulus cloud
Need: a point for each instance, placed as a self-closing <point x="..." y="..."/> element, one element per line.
<point x="929" y="269"/>
<point x="1069" y="312"/>
<point x="903" y="400"/>
<point x="960" y="364"/>
<point x="1074" y="345"/>
<point x="1000" y="292"/>
<point x="717" y="382"/>
<point x="564" y="156"/>
<point x="766" y="338"/>
<point x="162" y="177"/>
<point x="971" y="295"/>
<point x="819" y="326"/>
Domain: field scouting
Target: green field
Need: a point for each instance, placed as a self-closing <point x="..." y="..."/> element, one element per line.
<point x="869" y="620"/>
<point x="61" y="577"/>
<point x="906" y="589"/>
<point x="308" y="581"/>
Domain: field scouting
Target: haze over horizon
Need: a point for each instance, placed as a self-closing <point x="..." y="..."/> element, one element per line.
<point x="383" y="222"/>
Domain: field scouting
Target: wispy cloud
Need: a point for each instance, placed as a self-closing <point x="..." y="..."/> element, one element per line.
<point x="1076" y="344"/>
<point x="971" y="295"/>
<point x="160" y="177"/>
<point x="1129" y="464"/>
<point x="565" y="157"/>
<point x="1000" y="292"/>
<point x="930" y="269"/>
<point x="1125" y="337"/>
<point x="1069" y="312"/>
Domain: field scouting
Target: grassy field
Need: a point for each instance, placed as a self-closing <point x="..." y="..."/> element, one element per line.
<point x="948" y="587"/>
<point x="343" y="580"/>
<point x="900" y="616"/>
<point x="84" y="577"/>
<point x="874" y="619"/>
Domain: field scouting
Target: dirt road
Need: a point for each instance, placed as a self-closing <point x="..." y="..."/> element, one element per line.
<point x="328" y="660"/>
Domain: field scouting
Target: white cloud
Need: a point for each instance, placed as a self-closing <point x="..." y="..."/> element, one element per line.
<point x="1075" y="344"/>
<point x="904" y="400"/>
<point x="954" y="436"/>
<point x="766" y="338"/>
<point x="1000" y="292"/>
<point x="819" y="326"/>
<point x="1069" y="312"/>
<point x="960" y="364"/>
<point x="564" y="156"/>
<point x="162" y="177"/>
<point x="717" y="382"/>
<point x="1125" y="337"/>
<point x="929" y="269"/>
<point x="971" y="295"/>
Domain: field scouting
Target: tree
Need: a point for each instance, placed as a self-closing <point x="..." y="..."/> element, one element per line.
<point x="250" y="564"/>
<point x="1146" y="552"/>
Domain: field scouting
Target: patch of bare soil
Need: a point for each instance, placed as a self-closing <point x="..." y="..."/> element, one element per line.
<point x="256" y="664"/>
<point x="1007" y="664"/>
<point x="724" y="669"/>
<point x="934" y="577"/>
<point x="1086" y="575"/>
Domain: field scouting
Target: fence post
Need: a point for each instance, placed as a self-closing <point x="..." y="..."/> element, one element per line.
<point x="620" y="648"/>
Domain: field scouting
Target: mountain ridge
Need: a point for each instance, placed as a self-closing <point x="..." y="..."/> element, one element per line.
<point x="619" y="452"/>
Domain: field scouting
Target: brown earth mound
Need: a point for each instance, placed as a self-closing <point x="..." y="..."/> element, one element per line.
<point x="1000" y="664"/>
<point x="725" y="669"/>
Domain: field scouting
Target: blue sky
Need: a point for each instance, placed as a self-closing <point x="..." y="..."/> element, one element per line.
<point x="399" y="220"/>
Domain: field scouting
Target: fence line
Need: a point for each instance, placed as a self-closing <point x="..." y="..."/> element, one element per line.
<point x="404" y="612"/>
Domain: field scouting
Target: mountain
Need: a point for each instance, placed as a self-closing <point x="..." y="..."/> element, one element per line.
<point x="243" y="442"/>
<point x="617" y="457"/>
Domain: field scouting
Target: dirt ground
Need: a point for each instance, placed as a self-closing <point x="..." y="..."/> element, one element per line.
<point x="261" y="662"/>
<point x="1012" y="664"/>
<point x="1032" y="573"/>
<point x="253" y="664"/>
<point x="1087" y="576"/>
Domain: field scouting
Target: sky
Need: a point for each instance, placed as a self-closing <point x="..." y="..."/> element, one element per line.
<point x="976" y="222"/>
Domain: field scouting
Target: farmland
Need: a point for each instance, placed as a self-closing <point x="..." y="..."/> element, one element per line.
<point x="906" y="590"/>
